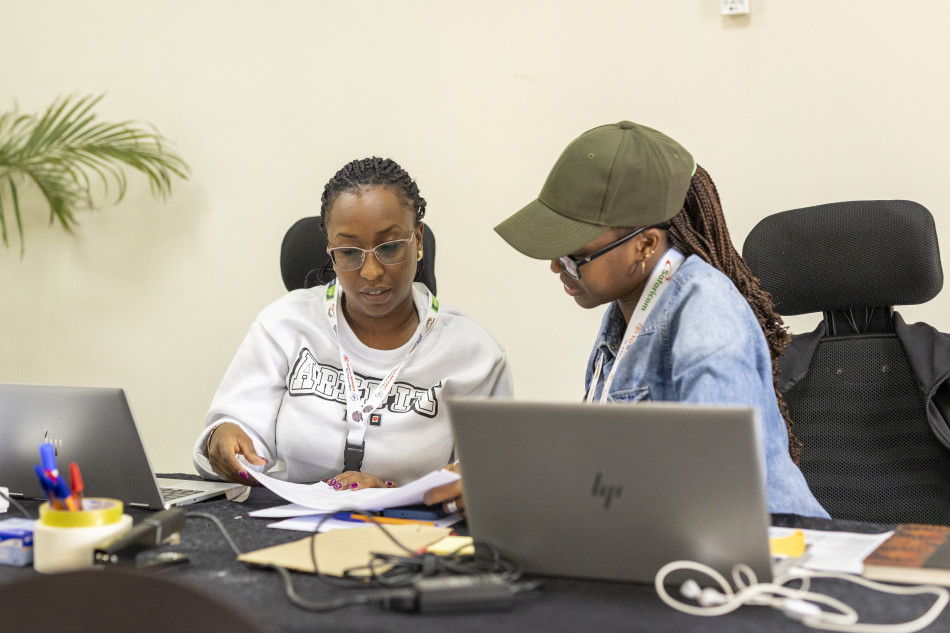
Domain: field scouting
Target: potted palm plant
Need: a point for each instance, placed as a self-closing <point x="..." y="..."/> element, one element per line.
<point x="63" y="151"/>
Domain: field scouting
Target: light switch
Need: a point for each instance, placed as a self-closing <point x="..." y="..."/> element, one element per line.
<point x="734" y="7"/>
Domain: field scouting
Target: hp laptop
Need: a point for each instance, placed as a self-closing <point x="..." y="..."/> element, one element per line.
<point x="93" y="427"/>
<point x="614" y="491"/>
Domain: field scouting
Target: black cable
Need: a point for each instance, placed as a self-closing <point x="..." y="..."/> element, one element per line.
<point x="401" y="572"/>
<point x="221" y="528"/>
<point x="16" y="504"/>
<point x="292" y="595"/>
<point x="347" y="582"/>
<point x="390" y="570"/>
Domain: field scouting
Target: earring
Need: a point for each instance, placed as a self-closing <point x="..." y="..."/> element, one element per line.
<point x="643" y="262"/>
<point x="419" y="258"/>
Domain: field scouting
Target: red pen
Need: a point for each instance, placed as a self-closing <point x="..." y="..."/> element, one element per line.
<point x="75" y="480"/>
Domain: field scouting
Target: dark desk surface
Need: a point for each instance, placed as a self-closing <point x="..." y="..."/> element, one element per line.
<point x="561" y="605"/>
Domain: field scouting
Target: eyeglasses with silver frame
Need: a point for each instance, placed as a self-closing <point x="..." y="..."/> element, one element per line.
<point x="388" y="254"/>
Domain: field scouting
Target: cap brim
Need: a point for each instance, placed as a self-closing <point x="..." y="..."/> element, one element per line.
<point x="541" y="233"/>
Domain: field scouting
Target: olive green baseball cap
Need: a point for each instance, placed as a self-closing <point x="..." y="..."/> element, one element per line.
<point x="618" y="175"/>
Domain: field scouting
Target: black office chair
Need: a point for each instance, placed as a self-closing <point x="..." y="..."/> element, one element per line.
<point x="304" y="261"/>
<point x="111" y="601"/>
<point x="866" y="392"/>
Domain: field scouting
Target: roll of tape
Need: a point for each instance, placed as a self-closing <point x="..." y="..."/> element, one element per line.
<point x="64" y="540"/>
<point x="96" y="511"/>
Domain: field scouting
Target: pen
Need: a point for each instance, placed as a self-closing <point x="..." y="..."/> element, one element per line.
<point x="58" y="491"/>
<point x="48" y="457"/>
<point x="47" y="487"/>
<point x="75" y="479"/>
<point x="352" y="516"/>
<point x="61" y="490"/>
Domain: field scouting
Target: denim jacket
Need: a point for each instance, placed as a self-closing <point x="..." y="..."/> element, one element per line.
<point x="703" y="344"/>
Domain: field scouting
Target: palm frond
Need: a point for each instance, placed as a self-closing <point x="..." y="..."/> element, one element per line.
<point x="59" y="153"/>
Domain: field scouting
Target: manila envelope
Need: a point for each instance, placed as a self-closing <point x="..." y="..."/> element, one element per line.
<point x="339" y="550"/>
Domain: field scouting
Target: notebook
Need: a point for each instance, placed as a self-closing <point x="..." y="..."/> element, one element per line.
<point x="93" y="427"/>
<point x="614" y="491"/>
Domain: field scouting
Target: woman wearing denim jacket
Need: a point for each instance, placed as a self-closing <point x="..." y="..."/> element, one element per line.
<point x="629" y="220"/>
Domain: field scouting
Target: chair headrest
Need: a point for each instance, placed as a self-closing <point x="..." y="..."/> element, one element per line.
<point x="846" y="255"/>
<point x="303" y="257"/>
<point x="304" y="261"/>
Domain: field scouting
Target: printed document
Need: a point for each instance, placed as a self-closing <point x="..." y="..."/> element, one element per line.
<point x="320" y="497"/>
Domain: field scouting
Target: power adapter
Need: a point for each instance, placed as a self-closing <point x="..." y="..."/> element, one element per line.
<point x="448" y="594"/>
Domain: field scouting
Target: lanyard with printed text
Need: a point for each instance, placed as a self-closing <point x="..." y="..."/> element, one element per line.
<point x="358" y="409"/>
<point x="656" y="284"/>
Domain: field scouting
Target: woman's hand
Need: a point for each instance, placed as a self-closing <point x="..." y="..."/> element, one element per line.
<point x="355" y="480"/>
<point x="226" y="442"/>
<point x="451" y="496"/>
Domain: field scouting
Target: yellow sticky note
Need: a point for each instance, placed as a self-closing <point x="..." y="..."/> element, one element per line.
<point x="791" y="546"/>
<point x="451" y="544"/>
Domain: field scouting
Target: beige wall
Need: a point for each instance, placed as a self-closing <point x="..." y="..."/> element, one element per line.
<point x="797" y="104"/>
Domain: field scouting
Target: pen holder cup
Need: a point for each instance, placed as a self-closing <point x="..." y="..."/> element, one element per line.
<point x="65" y="540"/>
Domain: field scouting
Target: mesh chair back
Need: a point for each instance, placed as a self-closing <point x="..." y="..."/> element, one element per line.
<point x="304" y="261"/>
<point x="868" y="452"/>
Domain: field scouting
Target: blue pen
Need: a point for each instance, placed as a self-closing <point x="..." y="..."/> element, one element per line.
<point x="46" y="485"/>
<point x="61" y="490"/>
<point x="356" y="517"/>
<point x="48" y="456"/>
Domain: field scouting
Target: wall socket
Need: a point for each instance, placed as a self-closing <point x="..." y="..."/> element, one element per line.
<point x="734" y="7"/>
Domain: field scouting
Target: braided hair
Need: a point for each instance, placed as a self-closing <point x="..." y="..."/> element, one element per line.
<point x="372" y="172"/>
<point x="356" y="176"/>
<point x="700" y="229"/>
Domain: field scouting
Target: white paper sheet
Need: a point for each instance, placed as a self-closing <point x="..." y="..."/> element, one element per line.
<point x="282" y="512"/>
<point x="310" y="522"/>
<point x="320" y="497"/>
<point x="835" y="551"/>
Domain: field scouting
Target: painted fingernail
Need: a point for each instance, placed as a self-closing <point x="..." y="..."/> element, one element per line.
<point x="354" y="486"/>
<point x="338" y="486"/>
<point x="390" y="484"/>
<point x="332" y="482"/>
<point x="243" y="474"/>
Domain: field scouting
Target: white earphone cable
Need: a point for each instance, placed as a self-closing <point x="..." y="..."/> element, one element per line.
<point x="800" y="603"/>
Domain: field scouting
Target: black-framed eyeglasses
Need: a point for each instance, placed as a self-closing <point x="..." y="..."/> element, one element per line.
<point x="571" y="264"/>
<point x="387" y="253"/>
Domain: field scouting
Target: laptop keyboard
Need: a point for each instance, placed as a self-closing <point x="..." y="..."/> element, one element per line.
<point x="170" y="494"/>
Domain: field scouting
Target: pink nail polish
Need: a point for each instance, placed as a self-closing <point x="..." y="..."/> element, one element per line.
<point x="354" y="486"/>
<point x="338" y="486"/>
<point x="243" y="474"/>
<point x="332" y="482"/>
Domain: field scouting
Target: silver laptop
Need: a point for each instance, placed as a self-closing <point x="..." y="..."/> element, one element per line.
<point x="614" y="491"/>
<point x="93" y="427"/>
